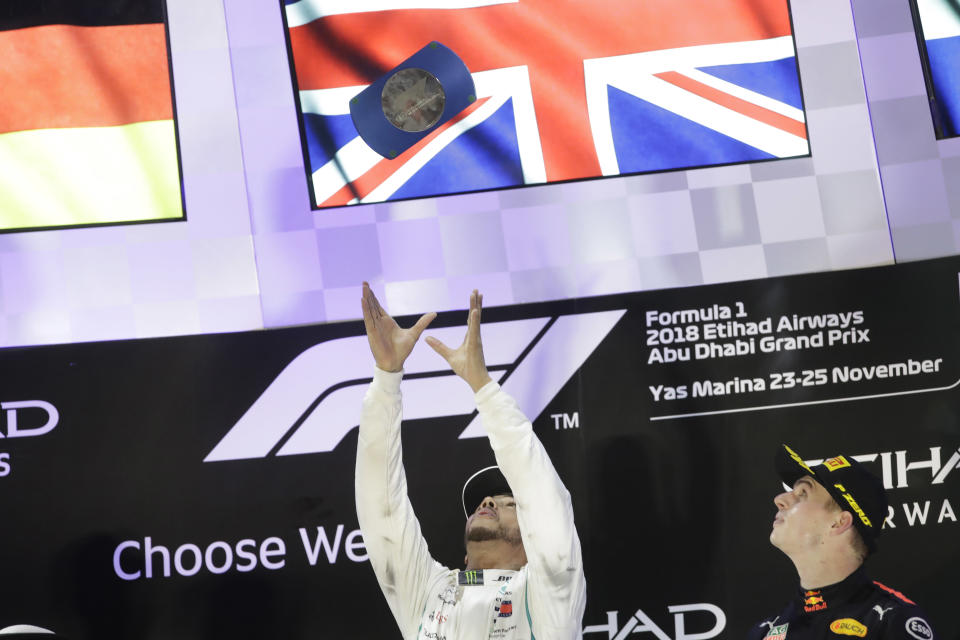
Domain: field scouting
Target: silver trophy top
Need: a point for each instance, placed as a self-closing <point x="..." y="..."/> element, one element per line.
<point x="412" y="100"/>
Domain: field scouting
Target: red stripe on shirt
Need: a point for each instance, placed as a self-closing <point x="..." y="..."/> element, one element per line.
<point x="894" y="592"/>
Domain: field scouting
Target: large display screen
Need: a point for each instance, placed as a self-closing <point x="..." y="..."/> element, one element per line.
<point x="564" y="91"/>
<point x="938" y="30"/>
<point x="87" y="132"/>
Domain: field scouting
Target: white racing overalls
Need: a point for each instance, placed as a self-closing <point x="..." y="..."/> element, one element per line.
<point x="543" y="600"/>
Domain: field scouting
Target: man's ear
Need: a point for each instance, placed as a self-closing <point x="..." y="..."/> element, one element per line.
<point x="466" y="560"/>
<point x="841" y="522"/>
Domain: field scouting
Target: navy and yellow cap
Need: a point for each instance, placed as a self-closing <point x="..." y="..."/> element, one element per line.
<point x="853" y="487"/>
<point x="488" y="481"/>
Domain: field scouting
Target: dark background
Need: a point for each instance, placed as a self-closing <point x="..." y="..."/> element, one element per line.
<point x="669" y="512"/>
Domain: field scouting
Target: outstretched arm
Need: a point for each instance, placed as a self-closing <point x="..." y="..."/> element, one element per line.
<point x="544" y="511"/>
<point x="389" y="343"/>
<point x="398" y="553"/>
<point x="467" y="359"/>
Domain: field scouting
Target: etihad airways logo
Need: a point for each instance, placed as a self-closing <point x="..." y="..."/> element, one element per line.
<point x="315" y="401"/>
<point x="640" y="622"/>
<point x="15" y="428"/>
<point x="898" y="468"/>
<point x="912" y="469"/>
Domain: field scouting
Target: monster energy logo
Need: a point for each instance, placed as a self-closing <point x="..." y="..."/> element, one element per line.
<point x="470" y="577"/>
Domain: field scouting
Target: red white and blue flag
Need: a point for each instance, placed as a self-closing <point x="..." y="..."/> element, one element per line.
<point x="940" y="20"/>
<point x="566" y="90"/>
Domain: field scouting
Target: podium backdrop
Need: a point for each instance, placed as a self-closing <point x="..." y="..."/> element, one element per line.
<point x="202" y="487"/>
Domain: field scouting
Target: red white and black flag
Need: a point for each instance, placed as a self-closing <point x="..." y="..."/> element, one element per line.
<point x="87" y="130"/>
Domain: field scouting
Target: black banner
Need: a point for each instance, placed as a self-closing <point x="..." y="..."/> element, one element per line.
<point x="20" y="14"/>
<point x="202" y="487"/>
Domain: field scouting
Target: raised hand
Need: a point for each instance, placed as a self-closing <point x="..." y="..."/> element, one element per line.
<point x="467" y="359"/>
<point x="389" y="343"/>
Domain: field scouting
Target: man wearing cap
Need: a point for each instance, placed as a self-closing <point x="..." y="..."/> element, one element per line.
<point x="828" y="525"/>
<point x="524" y="572"/>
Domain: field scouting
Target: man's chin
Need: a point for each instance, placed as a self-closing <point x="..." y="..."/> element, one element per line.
<point x="775" y="539"/>
<point x="480" y="533"/>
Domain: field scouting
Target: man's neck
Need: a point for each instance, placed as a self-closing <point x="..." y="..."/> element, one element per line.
<point x="822" y="570"/>
<point x="495" y="554"/>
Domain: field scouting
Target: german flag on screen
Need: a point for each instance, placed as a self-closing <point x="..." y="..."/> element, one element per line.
<point x="86" y="114"/>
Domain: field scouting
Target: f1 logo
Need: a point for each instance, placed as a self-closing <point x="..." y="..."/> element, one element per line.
<point x="316" y="398"/>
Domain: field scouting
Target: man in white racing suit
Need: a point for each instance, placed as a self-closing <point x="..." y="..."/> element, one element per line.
<point x="524" y="571"/>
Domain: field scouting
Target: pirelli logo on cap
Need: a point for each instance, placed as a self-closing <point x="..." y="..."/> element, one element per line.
<point x="798" y="459"/>
<point x="836" y="463"/>
<point x="853" y="505"/>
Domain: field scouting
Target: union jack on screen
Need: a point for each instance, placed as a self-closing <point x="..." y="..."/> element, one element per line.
<point x="940" y="22"/>
<point x="566" y="90"/>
